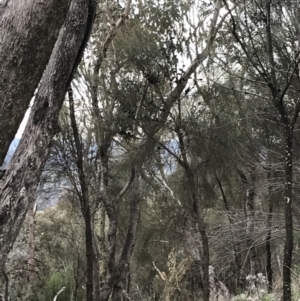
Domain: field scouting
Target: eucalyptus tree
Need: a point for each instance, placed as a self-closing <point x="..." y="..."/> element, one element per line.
<point x="132" y="96"/>
<point x="22" y="175"/>
<point x="148" y="80"/>
<point x="266" y="35"/>
<point x="167" y="81"/>
<point x="29" y="31"/>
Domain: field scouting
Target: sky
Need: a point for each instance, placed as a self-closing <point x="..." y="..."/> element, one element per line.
<point x="23" y="124"/>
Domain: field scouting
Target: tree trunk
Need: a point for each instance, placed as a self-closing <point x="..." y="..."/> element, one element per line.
<point x="201" y="225"/>
<point x="110" y="209"/>
<point x="89" y="250"/>
<point x="84" y="202"/>
<point x="249" y="212"/>
<point x="123" y="266"/>
<point x="96" y="279"/>
<point x="205" y="247"/>
<point x="269" y="270"/>
<point x="288" y="245"/>
<point x="18" y="185"/>
<point x="100" y="267"/>
<point x="196" y="203"/>
<point x="237" y="255"/>
<point x="28" y="32"/>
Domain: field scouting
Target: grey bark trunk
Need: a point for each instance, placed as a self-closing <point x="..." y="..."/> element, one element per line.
<point x="17" y="187"/>
<point x="28" y="32"/>
<point x="288" y="212"/>
<point x="269" y="270"/>
<point x="134" y="218"/>
<point x="249" y="213"/>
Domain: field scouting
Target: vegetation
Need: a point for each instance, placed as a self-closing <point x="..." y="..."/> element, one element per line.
<point x="176" y="154"/>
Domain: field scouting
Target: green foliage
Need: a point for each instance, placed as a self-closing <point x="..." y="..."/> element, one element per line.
<point x="224" y="126"/>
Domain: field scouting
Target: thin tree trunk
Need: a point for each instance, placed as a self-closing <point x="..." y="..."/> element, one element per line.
<point x="96" y="279"/>
<point x="196" y="202"/>
<point x="269" y="270"/>
<point x="249" y="211"/>
<point x="84" y="202"/>
<point x="100" y="248"/>
<point x="110" y="205"/>
<point x="205" y="248"/>
<point x="134" y="217"/>
<point x="6" y="286"/>
<point x="89" y="249"/>
<point x="288" y="212"/>
<point x="231" y="223"/>
<point x="111" y="232"/>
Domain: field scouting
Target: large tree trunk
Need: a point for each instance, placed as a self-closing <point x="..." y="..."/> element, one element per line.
<point x="18" y="186"/>
<point x="28" y="32"/>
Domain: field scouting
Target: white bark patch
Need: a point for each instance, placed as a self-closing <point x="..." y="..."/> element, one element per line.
<point x="288" y="200"/>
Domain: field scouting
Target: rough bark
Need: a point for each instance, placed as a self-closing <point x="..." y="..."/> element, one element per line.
<point x="17" y="187"/>
<point x="28" y="32"/>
